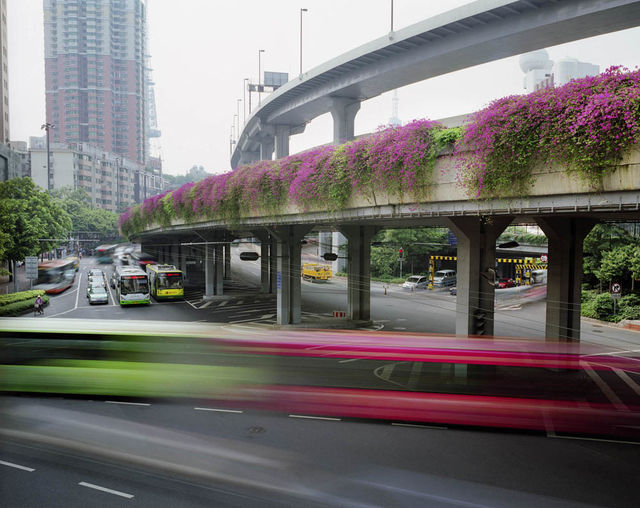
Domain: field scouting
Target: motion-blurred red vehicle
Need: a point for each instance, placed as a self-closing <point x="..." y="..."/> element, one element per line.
<point x="506" y="283"/>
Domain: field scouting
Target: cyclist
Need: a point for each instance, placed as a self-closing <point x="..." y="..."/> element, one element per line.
<point x="39" y="305"/>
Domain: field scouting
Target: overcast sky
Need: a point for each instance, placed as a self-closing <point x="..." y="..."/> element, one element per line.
<point x="202" y="49"/>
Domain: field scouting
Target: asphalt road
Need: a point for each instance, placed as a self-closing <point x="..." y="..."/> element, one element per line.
<point x="163" y="454"/>
<point x="394" y="310"/>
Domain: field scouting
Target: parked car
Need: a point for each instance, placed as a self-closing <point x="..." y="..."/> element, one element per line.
<point x="444" y="278"/>
<point x="416" y="282"/>
<point x="505" y="283"/>
<point x="98" y="294"/>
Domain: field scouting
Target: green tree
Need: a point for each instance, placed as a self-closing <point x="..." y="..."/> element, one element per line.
<point x="616" y="265"/>
<point x="30" y="221"/>
<point x="601" y="239"/>
<point x="77" y="204"/>
<point x="195" y="174"/>
<point x="417" y="244"/>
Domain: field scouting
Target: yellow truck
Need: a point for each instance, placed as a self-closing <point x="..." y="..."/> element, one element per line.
<point x="316" y="272"/>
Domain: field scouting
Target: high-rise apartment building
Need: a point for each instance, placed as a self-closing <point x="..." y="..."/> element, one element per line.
<point x="95" y="73"/>
<point x="4" y="75"/>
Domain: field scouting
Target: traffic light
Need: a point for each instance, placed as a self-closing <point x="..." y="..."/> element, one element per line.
<point x="400" y="253"/>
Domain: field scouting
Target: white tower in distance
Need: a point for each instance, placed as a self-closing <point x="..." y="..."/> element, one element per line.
<point x="394" y="120"/>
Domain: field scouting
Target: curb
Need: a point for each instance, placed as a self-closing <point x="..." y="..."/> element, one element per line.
<point x="625" y="324"/>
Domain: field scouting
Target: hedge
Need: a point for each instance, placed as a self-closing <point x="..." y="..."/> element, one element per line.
<point x="15" y="304"/>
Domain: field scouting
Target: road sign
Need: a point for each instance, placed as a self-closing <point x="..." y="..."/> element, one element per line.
<point x="616" y="290"/>
<point x="544" y="258"/>
<point x="31" y="267"/>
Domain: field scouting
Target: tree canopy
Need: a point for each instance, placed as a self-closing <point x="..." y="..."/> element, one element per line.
<point x="30" y="221"/>
<point x="84" y="217"/>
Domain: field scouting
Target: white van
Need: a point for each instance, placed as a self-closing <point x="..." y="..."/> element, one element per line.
<point x="444" y="278"/>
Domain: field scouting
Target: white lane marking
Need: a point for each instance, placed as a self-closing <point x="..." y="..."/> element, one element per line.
<point x="225" y="302"/>
<point x="399" y="328"/>
<point x="104" y="489"/>
<point x="17" y="466"/>
<point x="218" y="410"/>
<point x="349" y="360"/>
<point x="192" y="304"/>
<point x="579" y="438"/>
<point x="127" y="403"/>
<point x="113" y="299"/>
<point x="625" y="377"/>
<point x="420" y="426"/>
<point x="605" y="388"/>
<point x="316" y="418"/>
<point x="206" y="304"/>
<point x="78" y="293"/>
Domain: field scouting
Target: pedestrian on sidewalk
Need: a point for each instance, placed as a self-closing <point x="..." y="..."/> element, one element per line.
<point x="39" y="305"/>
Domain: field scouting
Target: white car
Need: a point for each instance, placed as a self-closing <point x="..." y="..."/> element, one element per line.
<point x="444" y="278"/>
<point x="416" y="282"/>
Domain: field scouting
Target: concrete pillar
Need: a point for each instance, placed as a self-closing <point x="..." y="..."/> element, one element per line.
<point x="266" y="148"/>
<point x="289" y="297"/>
<point x="338" y="241"/>
<point x="359" y="270"/>
<point x="265" y="282"/>
<point x="273" y="265"/>
<point x="209" y="270"/>
<point x="227" y="260"/>
<point x="247" y="157"/>
<point x="476" y="271"/>
<point x="564" y="276"/>
<point x="183" y="261"/>
<point x="218" y="279"/>
<point x="282" y="141"/>
<point x="343" y="110"/>
<point x="325" y="242"/>
<point x="175" y="255"/>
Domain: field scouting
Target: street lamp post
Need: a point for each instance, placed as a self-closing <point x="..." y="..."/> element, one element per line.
<point x="238" y="101"/>
<point x="47" y="127"/>
<point x="301" y="11"/>
<point x="117" y="184"/>
<point x="245" y="83"/>
<point x="260" y="51"/>
<point x="392" y="15"/>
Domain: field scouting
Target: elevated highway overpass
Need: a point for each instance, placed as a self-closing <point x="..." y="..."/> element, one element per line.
<point x="480" y="32"/>
<point x="566" y="208"/>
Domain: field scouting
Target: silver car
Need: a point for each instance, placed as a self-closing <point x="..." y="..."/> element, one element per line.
<point x="416" y="282"/>
<point x="444" y="278"/>
<point x="98" y="294"/>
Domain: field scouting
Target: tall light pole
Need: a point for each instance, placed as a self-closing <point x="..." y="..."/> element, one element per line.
<point x="117" y="184"/>
<point x="260" y="51"/>
<point x="245" y="83"/>
<point x="301" y="11"/>
<point x="47" y="127"/>
<point x="238" y="101"/>
<point x="392" y="15"/>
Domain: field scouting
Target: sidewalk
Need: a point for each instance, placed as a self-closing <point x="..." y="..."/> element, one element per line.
<point x="7" y="287"/>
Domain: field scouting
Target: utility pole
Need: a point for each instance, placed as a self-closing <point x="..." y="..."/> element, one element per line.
<point x="47" y="127"/>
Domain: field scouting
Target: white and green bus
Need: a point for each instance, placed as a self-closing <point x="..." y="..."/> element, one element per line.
<point x="131" y="285"/>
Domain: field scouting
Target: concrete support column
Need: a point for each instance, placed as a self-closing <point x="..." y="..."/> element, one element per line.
<point x="266" y="148"/>
<point x="247" y="157"/>
<point x="282" y="141"/>
<point x="325" y="242"/>
<point x="273" y="265"/>
<point x="209" y="270"/>
<point x="564" y="277"/>
<point x="265" y="282"/>
<point x="338" y="241"/>
<point x="227" y="260"/>
<point x="174" y="258"/>
<point x="476" y="272"/>
<point x="289" y="297"/>
<point x="359" y="270"/>
<point x="218" y="279"/>
<point x="183" y="249"/>
<point x="343" y="110"/>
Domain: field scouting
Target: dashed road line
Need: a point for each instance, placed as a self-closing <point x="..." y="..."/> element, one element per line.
<point x="349" y="360"/>
<point x="206" y="304"/>
<point x="105" y="489"/>
<point x="580" y="438"/>
<point x="17" y="466"/>
<point x="316" y="418"/>
<point x="218" y="410"/>
<point x="396" y="424"/>
<point x="127" y="403"/>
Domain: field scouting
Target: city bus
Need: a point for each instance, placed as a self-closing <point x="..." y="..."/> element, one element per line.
<point x="104" y="254"/>
<point x="165" y="282"/>
<point x="56" y="275"/>
<point x="131" y="285"/>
